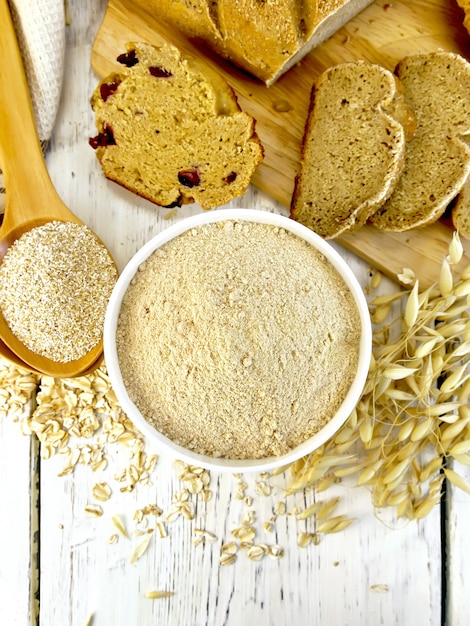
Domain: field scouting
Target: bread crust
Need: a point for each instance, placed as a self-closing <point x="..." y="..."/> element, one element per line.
<point x="264" y="38"/>
<point x="437" y="163"/>
<point x="352" y="150"/>
<point x="170" y="130"/>
<point x="460" y="212"/>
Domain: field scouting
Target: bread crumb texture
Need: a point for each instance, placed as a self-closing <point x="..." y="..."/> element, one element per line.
<point x="461" y="211"/>
<point x="238" y="340"/>
<point x="170" y="130"/>
<point x="437" y="162"/>
<point x="353" y="150"/>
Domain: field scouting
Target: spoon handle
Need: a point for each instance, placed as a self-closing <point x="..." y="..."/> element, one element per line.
<point x="29" y="188"/>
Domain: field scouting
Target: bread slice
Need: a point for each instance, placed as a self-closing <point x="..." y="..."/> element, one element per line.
<point x="266" y="37"/>
<point x="437" y="163"/>
<point x="352" y="150"/>
<point x="170" y="130"/>
<point x="461" y="211"/>
<point x="465" y="6"/>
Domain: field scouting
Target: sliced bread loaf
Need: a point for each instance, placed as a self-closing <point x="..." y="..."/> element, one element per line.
<point x="352" y="151"/>
<point x="437" y="163"/>
<point x="264" y="37"/>
<point x="170" y="130"/>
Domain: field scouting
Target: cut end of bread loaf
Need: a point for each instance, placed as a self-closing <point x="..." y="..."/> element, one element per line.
<point x="319" y="24"/>
<point x="352" y="150"/>
<point x="437" y="163"/>
<point x="170" y="130"/>
<point x="263" y="38"/>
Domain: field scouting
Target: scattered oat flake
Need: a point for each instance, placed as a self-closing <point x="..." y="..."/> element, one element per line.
<point x="303" y="539"/>
<point x="89" y="621"/>
<point x="256" y="553"/>
<point x="227" y="558"/>
<point x="205" y="535"/>
<point x="229" y="548"/>
<point x="275" y="552"/>
<point x="280" y="508"/>
<point x="379" y="588"/>
<point x="102" y="492"/>
<point x="94" y="510"/>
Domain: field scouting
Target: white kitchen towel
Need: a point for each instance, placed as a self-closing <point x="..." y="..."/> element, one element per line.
<point x="40" y="29"/>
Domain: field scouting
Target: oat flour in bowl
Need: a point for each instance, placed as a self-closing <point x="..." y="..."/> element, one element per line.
<point x="238" y="340"/>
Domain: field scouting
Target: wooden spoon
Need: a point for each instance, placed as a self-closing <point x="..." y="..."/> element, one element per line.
<point x="7" y="355"/>
<point x="31" y="199"/>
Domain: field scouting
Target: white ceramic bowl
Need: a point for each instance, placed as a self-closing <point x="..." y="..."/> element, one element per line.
<point x="222" y="464"/>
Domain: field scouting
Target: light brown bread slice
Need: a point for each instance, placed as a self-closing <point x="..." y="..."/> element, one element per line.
<point x="352" y="151"/>
<point x="171" y="131"/>
<point x="465" y="5"/>
<point x="461" y="211"/>
<point x="437" y="89"/>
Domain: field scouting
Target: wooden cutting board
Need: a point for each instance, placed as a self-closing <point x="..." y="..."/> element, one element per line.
<point x="383" y="33"/>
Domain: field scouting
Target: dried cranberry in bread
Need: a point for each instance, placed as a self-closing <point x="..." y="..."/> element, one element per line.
<point x="171" y="131"/>
<point x="437" y="163"/>
<point x="352" y="150"/>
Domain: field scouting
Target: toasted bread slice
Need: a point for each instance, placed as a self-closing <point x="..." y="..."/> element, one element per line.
<point x="352" y="151"/>
<point x="437" y="164"/>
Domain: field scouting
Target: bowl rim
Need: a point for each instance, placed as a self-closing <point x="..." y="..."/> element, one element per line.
<point x="177" y="451"/>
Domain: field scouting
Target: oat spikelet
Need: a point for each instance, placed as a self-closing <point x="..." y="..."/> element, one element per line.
<point x="156" y="595"/>
<point x="412" y="306"/>
<point x="414" y="413"/>
<point x="457" y="480"/>
<point x="140" y="549"/>
<point x="120" y="526"/>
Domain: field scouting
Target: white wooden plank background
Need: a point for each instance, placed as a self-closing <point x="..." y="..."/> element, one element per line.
<point x="376" y="572"/>
<point x="18" y="525"/>
<point x="458" y="550"/>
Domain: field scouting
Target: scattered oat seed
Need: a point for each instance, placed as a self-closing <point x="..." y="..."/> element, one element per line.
<point x="119" y="524"/>
<point x="155" y="595"/>
<point x="140" y="549"/>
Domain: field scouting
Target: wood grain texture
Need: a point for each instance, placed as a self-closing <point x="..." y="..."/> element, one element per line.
<point x="383" y="33"/>
<point x="81" y="574"/>
<point x="377" y="572"/>
<point x="458" y="542"/>
<point x="374" y="573"/>
<point x="18" y="524"/>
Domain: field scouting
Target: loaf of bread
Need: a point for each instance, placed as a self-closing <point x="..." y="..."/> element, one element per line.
<point x="352" y="151"/>
<point x="437" y="162"/>
<point x="264" y="38"/>
<point x="171" y="131"/>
